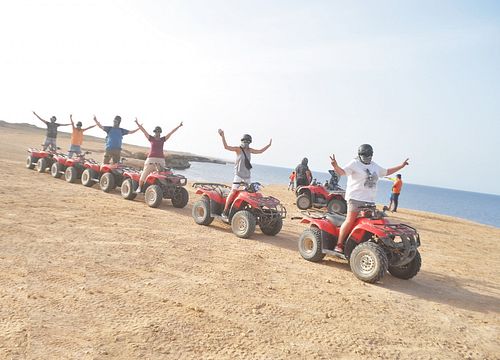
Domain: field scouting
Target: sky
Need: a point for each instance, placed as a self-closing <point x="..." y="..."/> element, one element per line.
<point x="416" y="79"/>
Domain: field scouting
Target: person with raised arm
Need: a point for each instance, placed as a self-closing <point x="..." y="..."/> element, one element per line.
<point x="114" y="139"/>
<point x="76" y="137"/>
<point x="242" y="166"/>
<point x="51" y="137"/>
<point x="362" y="177"/>
<point x="155" y="156"/>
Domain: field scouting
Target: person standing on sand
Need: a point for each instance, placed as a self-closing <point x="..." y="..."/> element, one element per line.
<point x="242" y="166"/>
<point x="362" y="176"/>
<point x="396" y="190"/>
<point x="303" y="174"/>
<point x="50" y="139"/>
<point x="155" y="156"/>
<point x="291" y="184"/>
<point x="76" y="137"/>
<point x="114" y="139"/>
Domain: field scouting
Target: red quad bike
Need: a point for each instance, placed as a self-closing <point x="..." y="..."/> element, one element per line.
<point x="58" y="166"/>
<point x="249" y="208"/>
<point x="74" y="167"/>
<point x="91" y="172"/>
<point x="160" y="184"/>
<point x="40" y="159"/>
<point x="373" y="246"/>
<point x="109" y="176"/>
<point x="318" y="196"/>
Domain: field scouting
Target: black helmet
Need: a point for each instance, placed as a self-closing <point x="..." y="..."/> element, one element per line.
<point x="304" y="161"/>
<point x="53" y="119"/>
<point x="246" y="138"/>
<point x="79" y="124"/>
<point x="365" y="153"/>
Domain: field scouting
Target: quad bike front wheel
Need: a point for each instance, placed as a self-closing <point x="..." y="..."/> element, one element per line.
<point x="30" y="162"/>
<point x="337" y="206"/>
<point x="304" y="201"/>
<point x="41" y="165"/>
<point x="107" y="182"/>
<point x="409" y="270"/>
<point x="87" y="177"/>
<point x="369" y="262"/>
<point x="55" y="170"/>
<point x="153" y="196"/>
<point x="201" y="212"/>
<point x="71" y="174"/>
<point x="128" y="189"/>
<point x="310" y="245"/>
<point x="243" y="224"/>
<point x="180" y="198"/>
<point x="272" y="227"/>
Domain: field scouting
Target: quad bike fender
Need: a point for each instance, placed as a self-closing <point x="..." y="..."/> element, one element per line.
<point x="212" y="195"/>
<point x="361" y="231"/>
<point x="322" y="224"/>
<point x="302" y="190"/>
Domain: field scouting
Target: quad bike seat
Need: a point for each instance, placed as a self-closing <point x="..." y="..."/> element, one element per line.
<point x="335" y="219"/>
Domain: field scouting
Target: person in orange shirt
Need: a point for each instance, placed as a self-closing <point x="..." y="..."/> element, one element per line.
<point x="396" y="190"/>
<point x="292" y="181"/>
<point x="76" y="137"/>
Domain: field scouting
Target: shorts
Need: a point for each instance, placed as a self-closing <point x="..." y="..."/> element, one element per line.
<point x="74" y="149"/>
<point x="356" y="205"/>
<point x="50" y="143"/>
<point x="150" y="166"/>
<point x="237" y="180"/>
<point x="114" y="154"/>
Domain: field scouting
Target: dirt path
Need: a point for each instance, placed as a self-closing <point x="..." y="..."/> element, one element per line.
<point x="88" y="275"/>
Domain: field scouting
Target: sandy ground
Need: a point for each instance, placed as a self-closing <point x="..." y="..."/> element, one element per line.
<point x="89" y="275"/>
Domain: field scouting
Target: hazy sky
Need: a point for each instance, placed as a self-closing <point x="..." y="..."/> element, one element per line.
<point x="417" y="79"/>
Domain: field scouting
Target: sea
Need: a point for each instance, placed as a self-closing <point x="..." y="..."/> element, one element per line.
<point x="478" y="207"/>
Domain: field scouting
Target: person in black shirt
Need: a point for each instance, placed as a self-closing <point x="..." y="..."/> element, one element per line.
<point x="303" y="174"/>
<point x="50" y="140"/>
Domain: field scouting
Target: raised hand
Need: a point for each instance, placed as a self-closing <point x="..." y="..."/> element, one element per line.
<point x="221" y="132"/>
<point x="405" y="163"/>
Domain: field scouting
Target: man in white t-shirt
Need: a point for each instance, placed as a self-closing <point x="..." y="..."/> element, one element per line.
<point x="362" y="177"/>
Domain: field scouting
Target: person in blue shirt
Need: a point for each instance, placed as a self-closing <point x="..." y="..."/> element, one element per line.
<point x="114" y="139"/>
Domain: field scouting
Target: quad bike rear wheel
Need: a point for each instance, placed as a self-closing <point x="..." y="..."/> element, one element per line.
<point x="304" y="201"/>
<point x="153" y="196"/>
<point x="409" y="270"/>
<point x="272" y="227"/>
<point x="369" y="262"/>
<point x="243" y="224"/>
<point x="30" y="162"/>
<point x="71" y="174"/>
<point x="55" y="170"/>
<point x="201" y="212"/>
<point x="87" y="176"/>
<point x="107" y="182"/>
<point x="337" y="206"/>
<point x="180" y="198"/>
<point x="128" y="189"/>
<point x="310" y="245"/>
<point x="41" y="165"/>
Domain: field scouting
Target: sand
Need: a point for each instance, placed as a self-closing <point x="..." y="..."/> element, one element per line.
<point x="89" y="275"/>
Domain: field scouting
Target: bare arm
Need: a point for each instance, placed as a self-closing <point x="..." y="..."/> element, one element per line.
<point x="397" y="168"/>
<point x="90" y="127"/>
<point x="45" y="121"/>
<point x="260" y="151"/>
<point x="336" y="166"/>
<point x="133" y="131"/>
<point x="72" y="122"/>
<point x="98" y="123"/>
<point x="226" y="146"/>
<point x="142" y="129"/>
<point x="174" y="130"/>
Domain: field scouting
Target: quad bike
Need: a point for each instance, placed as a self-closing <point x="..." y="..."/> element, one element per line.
<point x="373" y="246"/>
<point x="109" y="176"/>
<point x="318" y="196"/>
<point x="90" y="174"/>
<point x="248" y="209"/>
<point x="41" y="159"/>
<point x="160" y="184"/>
<point x="74" y="167"/>
<point x="58" y="166"/>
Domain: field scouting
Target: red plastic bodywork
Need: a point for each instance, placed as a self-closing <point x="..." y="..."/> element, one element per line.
<point x="318" y="190"/>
